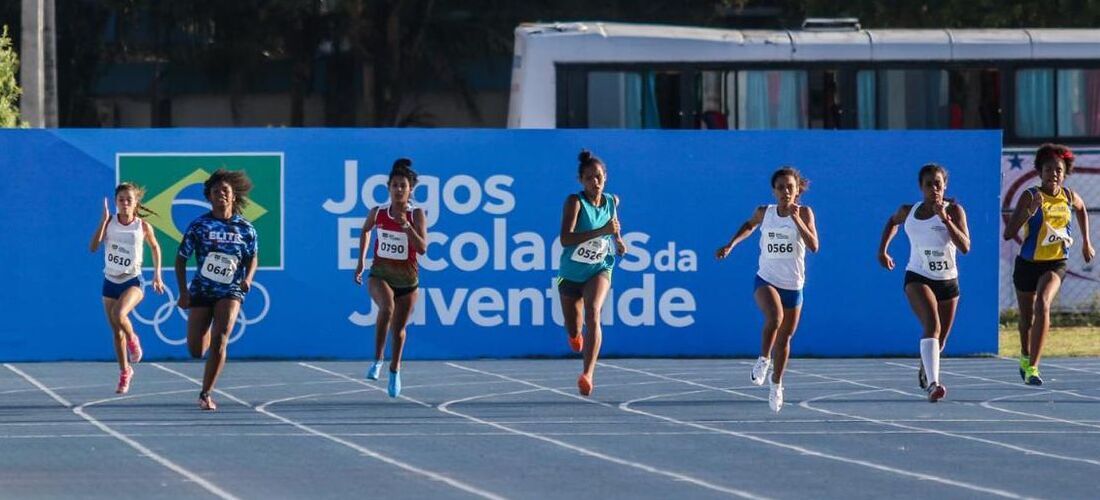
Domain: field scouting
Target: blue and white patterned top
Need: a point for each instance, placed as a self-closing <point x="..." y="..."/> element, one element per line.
<point x="222" y="251"/>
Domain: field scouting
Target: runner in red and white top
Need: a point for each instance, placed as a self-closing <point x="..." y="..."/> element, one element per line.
<point x="394" y="275"/>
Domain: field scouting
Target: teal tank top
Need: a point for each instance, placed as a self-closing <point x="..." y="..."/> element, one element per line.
<point x="581" y="262"/>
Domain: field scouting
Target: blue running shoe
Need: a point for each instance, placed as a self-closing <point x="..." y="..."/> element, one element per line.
<point x="375" y="370"/>
<point x="395" y="384"/>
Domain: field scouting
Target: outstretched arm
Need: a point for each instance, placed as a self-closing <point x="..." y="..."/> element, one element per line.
<point x="154" y="247"/>
<point x="742" y="232"/>
<point x="888" y="233"/>
<point x="1083" y="221"/>
<point x="1025" y="208"/>
<point x="364" y="241"/>
<point x="101" y="229"/>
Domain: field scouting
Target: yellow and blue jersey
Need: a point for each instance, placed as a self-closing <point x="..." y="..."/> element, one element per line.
<point x="1047" y="234"/>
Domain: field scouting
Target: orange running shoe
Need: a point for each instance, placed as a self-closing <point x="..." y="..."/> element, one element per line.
<point x="576" y="342"/>
<point x="584" y="385"/>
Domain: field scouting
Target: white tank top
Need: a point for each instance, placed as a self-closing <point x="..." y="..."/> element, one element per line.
<point x="782" y="251"/>
<point x="931" y="251"/>
<point x="122" y="250"/>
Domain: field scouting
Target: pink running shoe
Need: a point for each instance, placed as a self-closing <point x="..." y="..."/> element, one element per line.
<point x="206" y="403"/>
<point x="134" y="346"/>
<point x="124" y="378"/>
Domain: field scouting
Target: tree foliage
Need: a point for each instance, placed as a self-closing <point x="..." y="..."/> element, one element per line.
<point x="9" y="87"/>
<point x="371" y="61"/>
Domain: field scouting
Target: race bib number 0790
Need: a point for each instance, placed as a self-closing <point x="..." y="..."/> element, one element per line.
<point x="393" y="244"/>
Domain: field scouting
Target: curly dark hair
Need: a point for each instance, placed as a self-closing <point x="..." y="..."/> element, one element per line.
<point x="1053" y="152"/>
<point x="237" y="179"/>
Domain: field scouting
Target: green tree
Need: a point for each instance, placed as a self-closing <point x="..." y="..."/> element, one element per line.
<point x="9" y="87"/>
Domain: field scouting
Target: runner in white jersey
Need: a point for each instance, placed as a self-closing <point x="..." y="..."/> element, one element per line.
<point x="936" y="228"/>
<point x="787" y="229"/>
<point x="122" y="237"/>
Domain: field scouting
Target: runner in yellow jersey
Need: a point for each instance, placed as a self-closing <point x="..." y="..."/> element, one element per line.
<point x="1044" y="214"/>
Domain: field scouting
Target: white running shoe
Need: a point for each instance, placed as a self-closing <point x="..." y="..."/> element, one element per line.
<point x="760" y="370"/>
<point x="775" y="397"/>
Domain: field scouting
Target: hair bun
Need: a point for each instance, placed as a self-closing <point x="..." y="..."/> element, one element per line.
<point x="585" y="156"/>
<point x="402" y="163"/>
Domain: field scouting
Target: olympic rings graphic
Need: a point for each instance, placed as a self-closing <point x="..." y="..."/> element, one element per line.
<point x="164" y="313"/>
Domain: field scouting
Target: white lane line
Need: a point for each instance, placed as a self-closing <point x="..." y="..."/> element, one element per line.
<point x="806" y="404"/>
<point x="365" y="451"/>
<point x="989" y="402"/>
<point x="509" y="434"/>
<point x="57" y="397"/>
<point x="625" y="406"/>
<point x="584" y="451"/>
<point x="79" y="410"/>
<point x="445" y="407"/>
<point x="1059" y="366"/>
<point x="1032" y="390"/>
<point x="363" y="383"/>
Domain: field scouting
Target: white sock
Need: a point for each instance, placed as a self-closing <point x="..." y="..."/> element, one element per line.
<point x="930" y="356"/>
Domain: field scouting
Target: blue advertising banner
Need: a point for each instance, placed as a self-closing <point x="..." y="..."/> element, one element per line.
<point x="493" y="200"/>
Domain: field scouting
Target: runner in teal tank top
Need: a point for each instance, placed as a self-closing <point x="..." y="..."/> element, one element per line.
<point x="589" y="228"/>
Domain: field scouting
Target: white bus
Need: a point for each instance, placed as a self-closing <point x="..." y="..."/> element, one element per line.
<point x="1036" y="84"/>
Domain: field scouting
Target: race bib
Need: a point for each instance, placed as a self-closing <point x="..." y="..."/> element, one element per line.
<point x="393" y="244"/>
<point x="1057" y="236"/>
<point x="220" y="267"/>
<point x="119" y="259"/>
<point x="780" y="243"/>
<point x="592" y="251"/>
<point x="936" y="262"/>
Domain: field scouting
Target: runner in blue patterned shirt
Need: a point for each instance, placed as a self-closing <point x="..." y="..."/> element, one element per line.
<point x="224" y="245"/>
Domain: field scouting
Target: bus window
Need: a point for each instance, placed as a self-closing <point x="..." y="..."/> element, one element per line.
<point x="713" y="100"/>
<point x="912" y="99"/>
<point x="614" y="100"/>
<point x="865" y="99"/>
<point x="771" y="100"/>
<point x="975" y="99"/>
<point x="1078" y="102"/>
<point x="1034" y="97"/>
<point x="645" y="99"/>
<point x="836" y="100"/>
